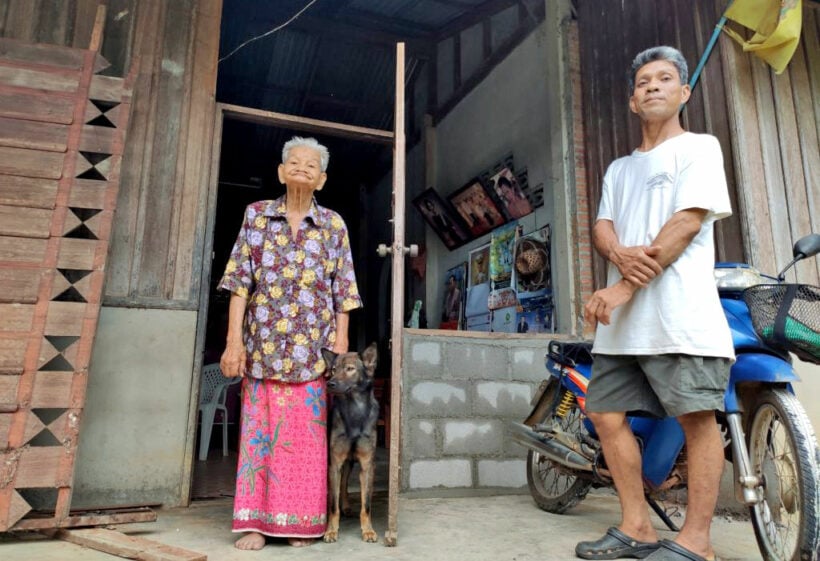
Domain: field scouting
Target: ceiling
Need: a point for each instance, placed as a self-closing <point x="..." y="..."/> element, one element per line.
<point x="332" y="60"/>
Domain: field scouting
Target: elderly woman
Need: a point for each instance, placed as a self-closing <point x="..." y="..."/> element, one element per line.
<point x="292" y="285"/>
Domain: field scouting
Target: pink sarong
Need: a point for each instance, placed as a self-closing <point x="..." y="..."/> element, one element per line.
<point x="281" y="479"/>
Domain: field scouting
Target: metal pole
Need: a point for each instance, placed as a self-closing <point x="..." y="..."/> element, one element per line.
<point x="711" y="45"/>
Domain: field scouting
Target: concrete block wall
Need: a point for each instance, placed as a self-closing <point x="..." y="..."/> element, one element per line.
<point x="459" y="391"/>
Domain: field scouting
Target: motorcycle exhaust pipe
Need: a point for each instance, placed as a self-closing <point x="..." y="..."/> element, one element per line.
<point x="549" y="447"/>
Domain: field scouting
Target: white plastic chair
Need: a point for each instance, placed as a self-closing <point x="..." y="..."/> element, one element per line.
<point x="213" y="393"/>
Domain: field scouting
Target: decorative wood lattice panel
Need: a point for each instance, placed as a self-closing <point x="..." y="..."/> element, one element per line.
<point x="62" y="130"/>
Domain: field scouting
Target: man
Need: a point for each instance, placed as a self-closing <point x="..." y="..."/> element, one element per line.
<point x="452" y="300"/>
<point x="662" y="344"/>
<point x="441" y="223"/>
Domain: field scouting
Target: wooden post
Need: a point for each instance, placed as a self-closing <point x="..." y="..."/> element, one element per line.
<point x="97" y="31"/>
<point x="397" y="308"/>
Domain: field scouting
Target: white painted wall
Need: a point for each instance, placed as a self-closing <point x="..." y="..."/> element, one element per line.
<point x="134" y="429"/>
<point x="507" y="112"/>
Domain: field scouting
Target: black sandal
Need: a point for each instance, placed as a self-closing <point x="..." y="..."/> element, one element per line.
<point x="673" y="551"/>
<point x="615" y="545"/>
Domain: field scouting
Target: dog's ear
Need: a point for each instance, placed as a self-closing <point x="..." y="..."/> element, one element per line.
<point x="330" y="358"/>
<point x="369" y="357"/>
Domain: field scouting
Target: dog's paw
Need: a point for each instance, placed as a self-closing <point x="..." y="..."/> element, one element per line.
<point x="331" y="536"/>
<point x="370" y="536"/>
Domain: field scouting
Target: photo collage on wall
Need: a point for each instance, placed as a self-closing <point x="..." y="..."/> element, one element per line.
<point x="481" y="205"/>
<point x="492" y="290"/>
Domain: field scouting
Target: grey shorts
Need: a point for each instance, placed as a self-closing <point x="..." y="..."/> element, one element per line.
<point x="661" y="385"/>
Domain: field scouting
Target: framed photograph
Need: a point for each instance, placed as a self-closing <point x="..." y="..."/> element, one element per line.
<point x="513" y="202"/>
<point x="479" y="266"/>
<point x="502" y="246"/>
<point x="452" y="311"/>
<point x="531" y="264"/>
<point x="476" y="208"/>
<point x="536" y="316"/>
<point x="441" y="218"/>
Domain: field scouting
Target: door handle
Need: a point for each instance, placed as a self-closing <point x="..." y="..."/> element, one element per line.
<point x="384" y="250"/>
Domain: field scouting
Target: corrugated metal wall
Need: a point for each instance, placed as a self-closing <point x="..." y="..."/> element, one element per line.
<point x="156" y="253"/>
<point x="770" y="157"/>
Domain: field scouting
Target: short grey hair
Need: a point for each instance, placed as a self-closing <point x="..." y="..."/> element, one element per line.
<point x="324" y="155"/>
<point x="670" y="54"/>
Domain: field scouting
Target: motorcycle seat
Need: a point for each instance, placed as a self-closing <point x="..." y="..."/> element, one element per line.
<point x="570" y="353"/>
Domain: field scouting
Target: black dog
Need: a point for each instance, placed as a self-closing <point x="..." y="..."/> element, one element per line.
<point x="353" y="419"/>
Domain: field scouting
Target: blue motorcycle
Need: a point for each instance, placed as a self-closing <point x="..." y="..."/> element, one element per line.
<point x="768" y="436"/>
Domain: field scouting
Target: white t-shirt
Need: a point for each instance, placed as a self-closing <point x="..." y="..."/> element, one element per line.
<point x="679" y="311"/>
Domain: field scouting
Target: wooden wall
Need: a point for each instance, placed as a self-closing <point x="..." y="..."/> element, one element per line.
<point x="770" y="157"/>
<point x="775" y="123"/>
<point x="157" y="241"/>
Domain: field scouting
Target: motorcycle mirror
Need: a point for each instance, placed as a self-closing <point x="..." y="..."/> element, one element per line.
<point x="807" y="246"/>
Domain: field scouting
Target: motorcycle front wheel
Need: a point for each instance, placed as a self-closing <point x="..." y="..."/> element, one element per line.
<point x="784" y="455"/>
<point x="553" y="487"/>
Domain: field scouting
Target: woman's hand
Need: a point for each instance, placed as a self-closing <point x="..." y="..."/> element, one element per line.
<point x="232" y="362"/>
<point x="340" y="347"/>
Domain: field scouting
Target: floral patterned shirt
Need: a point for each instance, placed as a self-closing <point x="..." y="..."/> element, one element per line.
<point x="295" y="286"/>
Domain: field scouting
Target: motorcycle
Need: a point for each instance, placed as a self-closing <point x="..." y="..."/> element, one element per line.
<point x="768" y="436"/>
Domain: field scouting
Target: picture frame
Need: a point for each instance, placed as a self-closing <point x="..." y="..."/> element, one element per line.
<point x="536" y="316"/>
<point x="502" y="247"/>
<point x="511" y="198"/>
<point x="441" y="218"/>
<point x="532" y="270"/>
<point x="479" y="266"/>
<point x="476" y="208"/>
<point x="455" y="288"/>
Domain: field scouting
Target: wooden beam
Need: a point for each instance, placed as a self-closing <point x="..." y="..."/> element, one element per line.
<point x="130" y="547"/>
<point x="97" y="32"/>
<point x="343" y="31"/>
<point x="23" y="52"/>
<point x="397" y="302"/>
<point x="482" y="71"/>
<point x="303" y="123"/>
<point x="83" y="519"/>
<point x="473" y="16"/>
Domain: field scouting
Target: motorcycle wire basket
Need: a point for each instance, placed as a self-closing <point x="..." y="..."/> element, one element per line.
<point x="787" y="316"/>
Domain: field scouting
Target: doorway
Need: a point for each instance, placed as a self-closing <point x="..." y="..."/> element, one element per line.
<point x="248" y="143"/>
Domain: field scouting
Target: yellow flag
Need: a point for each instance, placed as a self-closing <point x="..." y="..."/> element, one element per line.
<point x="776" y="25"/>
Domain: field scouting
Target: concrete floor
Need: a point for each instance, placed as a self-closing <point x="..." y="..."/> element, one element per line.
<point x="497" y="528"/>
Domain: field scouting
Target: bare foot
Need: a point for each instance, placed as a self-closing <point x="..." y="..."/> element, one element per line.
<point x="251" y="541"/>
<point x="301" y="542"/>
